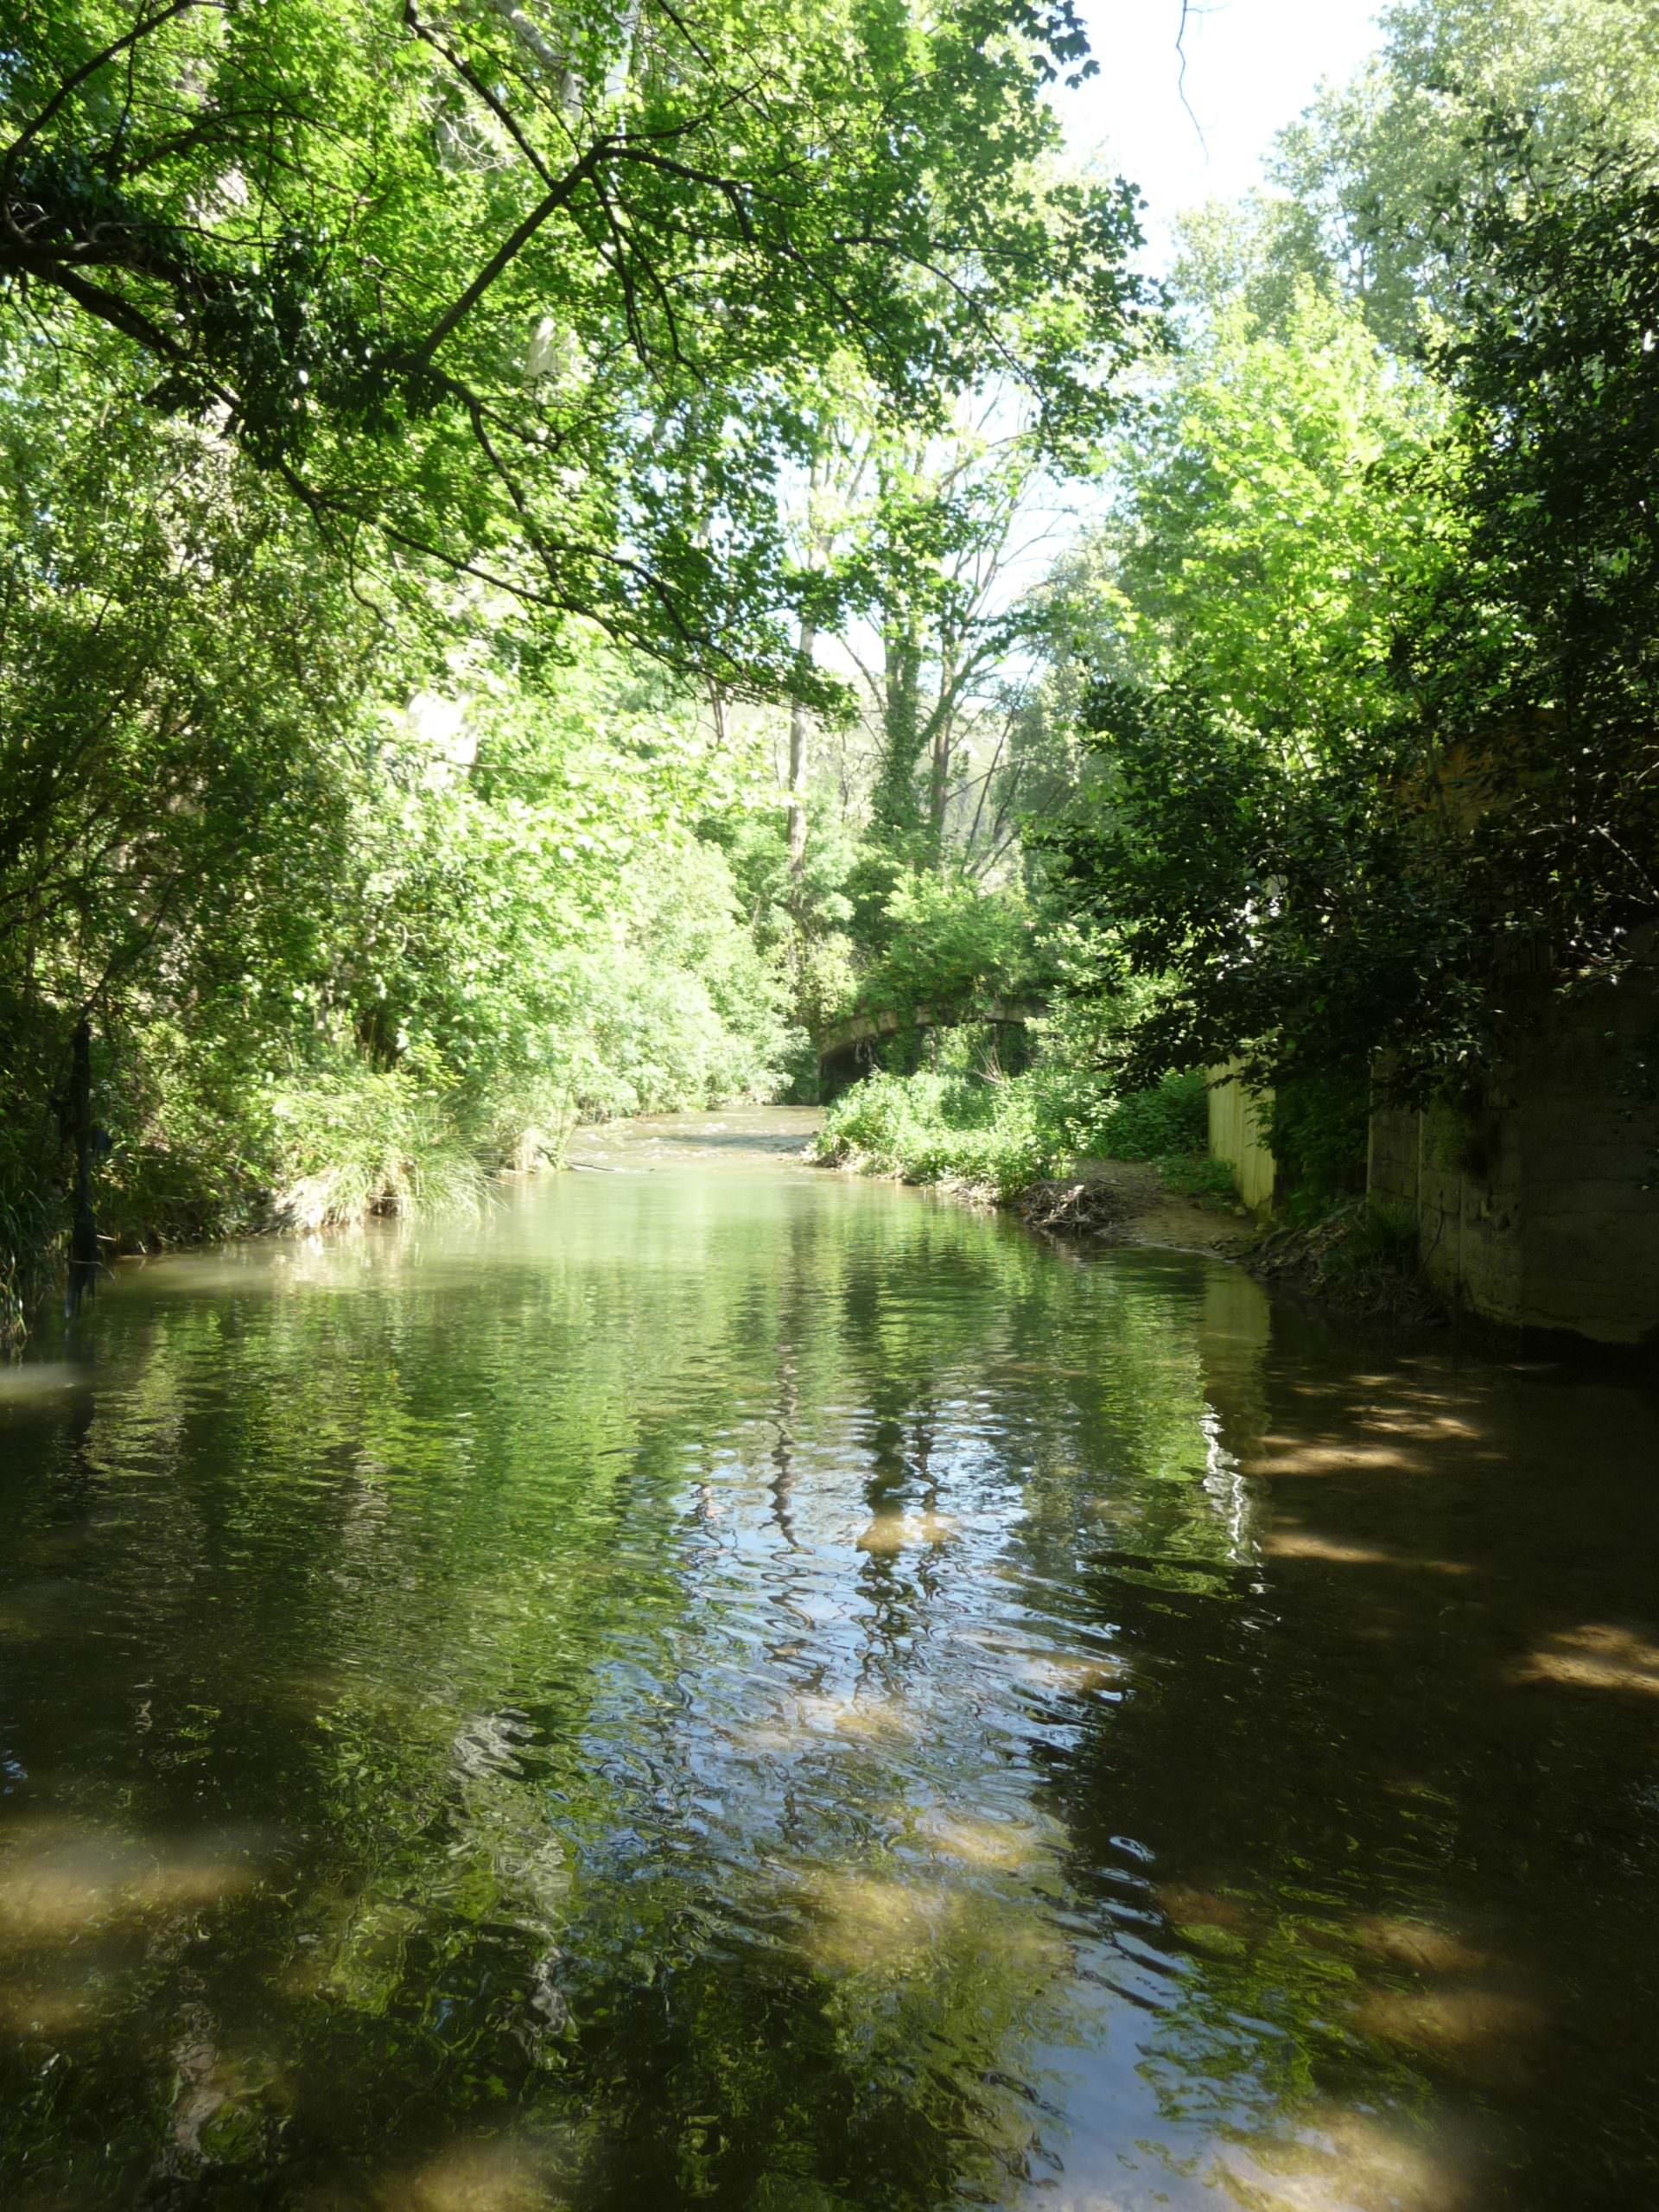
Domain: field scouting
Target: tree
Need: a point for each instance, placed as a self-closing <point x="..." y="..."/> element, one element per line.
<point x="537" y="300"/>
<point x="1537" y="662"/>
<point x="185" y="688"/>
<point x="1375" y="167"/>
<point x="1380" y="824"/>
<point x="303" y="909"/>
<point x="1273" y="516"/>
<point x="1267" y="515"/>
<point x="956" y="521"/>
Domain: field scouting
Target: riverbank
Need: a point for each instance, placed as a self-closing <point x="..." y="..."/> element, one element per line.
<point x="1141" y="1175"/>
<point x="1129" y="1201"/>
<point x="1358" y="1263"/>
<point x="1133" y="1169"/>
<point x="314" y="1157"/>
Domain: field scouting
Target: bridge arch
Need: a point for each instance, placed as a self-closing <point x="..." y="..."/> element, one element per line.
<point x="847" y="1049"/>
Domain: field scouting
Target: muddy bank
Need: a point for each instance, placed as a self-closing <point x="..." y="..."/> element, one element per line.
<point x="1357" y="1264"/>
<point x="1127" y="1202"/>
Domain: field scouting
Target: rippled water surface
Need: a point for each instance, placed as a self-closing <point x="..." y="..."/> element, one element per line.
<point x="733" y="1687"/>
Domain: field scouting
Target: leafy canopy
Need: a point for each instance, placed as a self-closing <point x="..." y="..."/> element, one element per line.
<point x="1376" y="167"/>
<point x="1464" y="655"/>
<point x="541" y="297"/>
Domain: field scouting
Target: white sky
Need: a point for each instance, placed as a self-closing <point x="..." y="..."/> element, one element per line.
<point x="1252" y="65"/>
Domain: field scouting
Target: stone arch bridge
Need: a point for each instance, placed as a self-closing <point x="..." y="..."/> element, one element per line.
<point x="847" y="1049"/>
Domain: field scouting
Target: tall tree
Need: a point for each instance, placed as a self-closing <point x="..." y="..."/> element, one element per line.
<point x="533" y="296"/>
<point x="954" y="535"/>
<point x="1376" y="745"/>
<point x="1375" y="169"/>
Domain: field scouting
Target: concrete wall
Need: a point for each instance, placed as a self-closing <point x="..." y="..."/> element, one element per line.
<point x="1236" y="1122"/>
<point x="1537" y="1203"/>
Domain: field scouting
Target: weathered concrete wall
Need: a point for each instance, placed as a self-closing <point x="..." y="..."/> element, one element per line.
<point x="1236" y="1122"/>
<point x="1538" y="1204"/>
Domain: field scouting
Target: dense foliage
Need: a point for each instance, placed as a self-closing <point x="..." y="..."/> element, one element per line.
<point x="352" y="909"/>
<point x="419" y="431"/>
<point x="964" y="1121"/>
<point x="518" y="602"/>
<point x="1374" y="755"/>
<point x="1373" y="168"/>
<point x="540" y="297"/>
<point x="952" y="1125"/>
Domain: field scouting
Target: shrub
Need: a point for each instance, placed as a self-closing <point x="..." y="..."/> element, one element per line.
<point x="1169" y="1120"/>
<point x="371" y="1143"/>
<point x="1000" y="1133"/>
<point x="1316" y="1130"/>
<point x="320" y="1147"/>
<point x="985" y="1133"/>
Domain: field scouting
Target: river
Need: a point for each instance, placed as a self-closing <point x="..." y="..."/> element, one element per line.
<point x="727" y="1685"/>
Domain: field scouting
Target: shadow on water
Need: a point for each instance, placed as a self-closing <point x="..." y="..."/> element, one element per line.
<point x="752" y="1689"/>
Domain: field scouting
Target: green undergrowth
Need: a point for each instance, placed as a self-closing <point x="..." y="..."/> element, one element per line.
<point x="974" y="1127"/>
<point x="1196" y="1175"/>
<point x="1168" y="1122"/>
<point x="194" y="1146"/>
<point x="1168" y="1125"/>
<point x="980" y="1132"/>
<point x="197" y="1152"/>
<point x="29" y="1229"/>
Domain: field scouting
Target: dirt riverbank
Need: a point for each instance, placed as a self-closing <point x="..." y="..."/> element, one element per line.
<point x="1125" y="1202"/>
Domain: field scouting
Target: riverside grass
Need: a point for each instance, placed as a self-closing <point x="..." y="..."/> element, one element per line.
<point x="995" y="1136"/>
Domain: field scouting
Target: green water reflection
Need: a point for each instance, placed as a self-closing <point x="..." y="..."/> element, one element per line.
<point x="735" y="1687"/>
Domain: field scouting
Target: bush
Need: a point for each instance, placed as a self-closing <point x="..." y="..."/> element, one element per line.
<point x="984" y="1132"/>
<point x="31" y="1224"/>
<point x="1170" y="1120"/>
<point x="197" y="1153"/>
<point x="1316" y="1130"/>
<point x="1376" y="1235"/>
<point x="1000" y="1133"/>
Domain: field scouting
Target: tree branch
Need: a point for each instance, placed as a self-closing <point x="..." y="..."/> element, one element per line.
<point x="510" y="248"/>
<point x="470" y="78"/>
<point x="79" y="77"/>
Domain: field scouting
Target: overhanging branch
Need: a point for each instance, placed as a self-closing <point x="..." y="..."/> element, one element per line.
<point x="510" y="248"/>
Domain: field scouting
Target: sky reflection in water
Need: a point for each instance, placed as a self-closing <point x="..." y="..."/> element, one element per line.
<point x="740" y="1687"/>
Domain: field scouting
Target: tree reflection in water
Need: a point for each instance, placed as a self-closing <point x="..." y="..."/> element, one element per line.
<point x="741" y="1688"/>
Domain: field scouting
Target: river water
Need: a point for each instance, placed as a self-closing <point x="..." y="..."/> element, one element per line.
<point x="731" y="1685"/>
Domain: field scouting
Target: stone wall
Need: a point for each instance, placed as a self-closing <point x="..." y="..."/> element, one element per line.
<point x="1538" y="1203"/>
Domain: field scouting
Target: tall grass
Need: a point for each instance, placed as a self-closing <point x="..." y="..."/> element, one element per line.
<point x="373" y="1143"/>
<point x="32" y="1221"/>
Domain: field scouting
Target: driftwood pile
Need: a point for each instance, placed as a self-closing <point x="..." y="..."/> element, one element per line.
<point x="1076" y="1206"/>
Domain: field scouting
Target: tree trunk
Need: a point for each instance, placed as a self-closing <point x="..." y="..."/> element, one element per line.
<point x="939" y="781"/>
<point x="800" y="736"/>
<point x="894" y="800"/>
<point x="78" y="1126"/>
